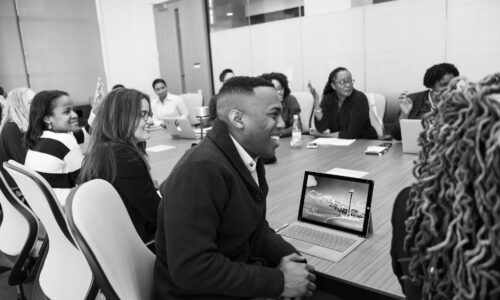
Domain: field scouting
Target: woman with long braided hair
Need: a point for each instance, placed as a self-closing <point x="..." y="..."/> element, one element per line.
<point x="446" y="227"/>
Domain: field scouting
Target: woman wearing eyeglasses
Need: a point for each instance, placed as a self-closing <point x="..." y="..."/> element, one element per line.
<point x="290" y="105"/>
<point x="117" y="154"/>
<point x="344" y="111"/>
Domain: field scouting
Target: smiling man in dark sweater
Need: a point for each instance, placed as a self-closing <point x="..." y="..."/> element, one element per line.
<point x="213" y="241"/>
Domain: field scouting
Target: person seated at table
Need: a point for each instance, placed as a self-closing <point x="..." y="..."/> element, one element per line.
<point x="344" y="111"/>
<point x="212" y="104"/>
<point x="166" y="105"/>
<point x="117" y="154"/>
<point x="289" y="103"/>
<point x="53" y="139"/>
<point x="213" y="240"/>
<point x="14" y="125"/>
<point x="445" y="242"/>
<point x="118" y="86"/>
<point x="414" y="106"/>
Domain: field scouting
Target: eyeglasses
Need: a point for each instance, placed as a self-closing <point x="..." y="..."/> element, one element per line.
<point x="146" y="114"/>
<point x="345" y="82"/>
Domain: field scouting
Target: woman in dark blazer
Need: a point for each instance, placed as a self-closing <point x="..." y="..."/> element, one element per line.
<point x="117" y="154"/>
<point x="344" y="111"/>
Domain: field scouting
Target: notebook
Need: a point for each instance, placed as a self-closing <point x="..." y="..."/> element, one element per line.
<point x="410" y="130"/>
<point x="334" y="215"/>
<point x="182" y="129"/>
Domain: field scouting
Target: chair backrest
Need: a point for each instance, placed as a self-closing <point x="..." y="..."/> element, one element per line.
<point x="377" y="103"/>
<point x="18" y="231"/>
<point x="122" y="265"/>
<point x="192" y="100"/>
<point x="306" y="102"/>
<point x="64" y="274"/>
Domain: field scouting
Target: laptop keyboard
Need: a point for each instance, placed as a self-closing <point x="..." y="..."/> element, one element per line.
<point x="316" y="237"/>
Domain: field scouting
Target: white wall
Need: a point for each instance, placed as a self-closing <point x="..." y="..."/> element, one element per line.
<point x="386" y="46"/>
<point x="129" y="43"/>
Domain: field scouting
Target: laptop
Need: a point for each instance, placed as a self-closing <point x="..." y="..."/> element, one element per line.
<point x="410" y="131"/>
<point x="182" y="129"/>
<point x="334" y="215"/>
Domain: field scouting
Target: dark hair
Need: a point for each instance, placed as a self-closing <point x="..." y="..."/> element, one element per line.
<point x="41" y="106"/>
<point x="115" y="124"/>
<point x="333" y="74"/>
<point x="243" y="85"/>
<point x="281" y="79"/>
<point x="453" y="208"/>
<point x="437" y="72"/>
<point x="158" y="80"/>
<point x="118" y="86"/>
<point x="223" y="74"/>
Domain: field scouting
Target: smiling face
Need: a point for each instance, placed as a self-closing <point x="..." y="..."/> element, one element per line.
<point x="141" y="133"/>
<point x="63" y="118"/>
<point x="342" y="84"/>
<point x="262" y="123"/>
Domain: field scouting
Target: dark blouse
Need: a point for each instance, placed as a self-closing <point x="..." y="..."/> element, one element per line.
<point x="400" y="257"/>
<point x="11" y="147"/>
<point x="352" y="121"/>
<point x="135" y="186"/>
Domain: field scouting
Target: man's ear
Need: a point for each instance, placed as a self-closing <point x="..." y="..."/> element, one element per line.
<point x="235" y="118"/>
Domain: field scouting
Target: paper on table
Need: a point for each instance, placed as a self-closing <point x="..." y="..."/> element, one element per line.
<point x="159" y="148"/>
<point x="347" y="172"/>
<point x="333" y="141"/>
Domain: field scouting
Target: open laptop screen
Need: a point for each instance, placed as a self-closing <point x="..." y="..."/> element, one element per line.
<point x="342" y="203"/>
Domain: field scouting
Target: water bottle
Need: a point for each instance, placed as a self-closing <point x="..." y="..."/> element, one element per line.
<point x="296" y="141"/>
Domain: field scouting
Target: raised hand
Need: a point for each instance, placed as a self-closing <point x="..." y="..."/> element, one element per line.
<point x="98" y="95"/>
<point x="405" y="103"/>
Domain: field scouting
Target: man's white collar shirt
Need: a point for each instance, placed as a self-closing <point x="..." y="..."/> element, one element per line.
<point x="172" y="107"/>
<point x="249" y="162"/>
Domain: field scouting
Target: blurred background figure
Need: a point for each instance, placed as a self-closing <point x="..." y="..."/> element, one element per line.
<point x="414" y="106"/>
<point x="289" y="103"/>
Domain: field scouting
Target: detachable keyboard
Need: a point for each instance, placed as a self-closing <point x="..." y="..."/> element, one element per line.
<point x="316" y="237"/>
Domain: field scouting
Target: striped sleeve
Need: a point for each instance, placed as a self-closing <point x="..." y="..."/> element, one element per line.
<point x="57" y="158"/>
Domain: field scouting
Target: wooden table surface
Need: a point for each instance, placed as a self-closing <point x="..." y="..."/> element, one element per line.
<point x="369" y="265"/>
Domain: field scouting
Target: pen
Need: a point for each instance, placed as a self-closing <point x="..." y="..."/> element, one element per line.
<point x="282" y="227"/>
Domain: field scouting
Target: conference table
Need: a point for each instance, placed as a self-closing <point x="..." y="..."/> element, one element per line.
<point x="369" y="265"/>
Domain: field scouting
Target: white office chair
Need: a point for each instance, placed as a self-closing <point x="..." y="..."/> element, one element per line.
<point x="18" y="235"/>
<point x="64" y="273"/>
<point x="377" y="104"/>
<point x="306" y="102"/>
<point x="192" y="101"/>
<point x="122" y="265"/>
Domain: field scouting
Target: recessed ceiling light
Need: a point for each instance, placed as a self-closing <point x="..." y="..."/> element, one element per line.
<point x="229" y="14"/>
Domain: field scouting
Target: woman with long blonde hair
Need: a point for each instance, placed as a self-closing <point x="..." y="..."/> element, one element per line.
<point x="14" y="124"/>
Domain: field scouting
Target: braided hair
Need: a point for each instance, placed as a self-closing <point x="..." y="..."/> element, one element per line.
<point x="453" y="232"/>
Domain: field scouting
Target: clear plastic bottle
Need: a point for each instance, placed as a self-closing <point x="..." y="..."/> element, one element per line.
<point x="296" y="141"/>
